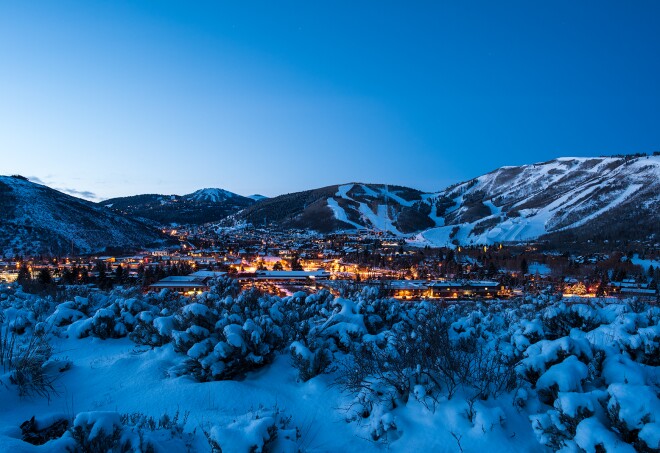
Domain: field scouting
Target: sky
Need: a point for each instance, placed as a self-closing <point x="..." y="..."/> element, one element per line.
<point x="113" y="98"/>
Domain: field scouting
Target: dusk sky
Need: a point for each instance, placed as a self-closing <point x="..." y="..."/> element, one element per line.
<point x="112" y="98"/>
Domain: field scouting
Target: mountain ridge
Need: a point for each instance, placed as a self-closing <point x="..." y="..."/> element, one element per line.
<point x="36" y="219"/>
<point x="567" y="195"/>
<point x="566" y="199"/>
<point x="202" y="206"/>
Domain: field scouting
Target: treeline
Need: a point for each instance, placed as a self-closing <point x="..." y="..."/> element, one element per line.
<point x="47" y="282"/>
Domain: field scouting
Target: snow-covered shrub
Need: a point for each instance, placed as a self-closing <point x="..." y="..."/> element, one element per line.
<point x="559" y="320"/>
<point x="26" y="362"/>
<point x="229" y="338"/>
<point x="99" y="431"/>
<point x="630" y="409"/>
<point x="165" y="433"/>
<point x="556" y="428"/>
<point x="225" y="287"/>
<point x="106" y="325"/>
<point x="644" y="346"/>
<point x="38" y="431"/>
<point x="152" y="330"/>
<point x="260" y="431"/>
<point x="544" y="354"/>
<point x="430" y="354"/>
<point x="309" y="363"/>
<point x="112" y="431"/>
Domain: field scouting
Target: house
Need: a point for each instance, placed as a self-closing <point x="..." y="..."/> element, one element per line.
<point x="183" y="284"/>
<point x="456" y="289"/>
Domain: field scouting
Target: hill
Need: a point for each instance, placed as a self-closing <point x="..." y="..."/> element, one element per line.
<point x="562" y="199"/>
<point x="35" y="219"/>
<point x="202" y="206"/>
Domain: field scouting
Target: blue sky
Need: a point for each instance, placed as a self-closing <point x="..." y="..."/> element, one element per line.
<point x="111" y="98"/>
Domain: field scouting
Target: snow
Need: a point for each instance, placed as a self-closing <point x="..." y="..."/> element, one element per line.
<point x="339" y="213"/>
<point x="645" y="263"/>
<point x="571" y="403"/>
<point x="538" y="268"/>
<point x="98" y="422"/>
<point x="212" y="195"/>
<point x="590" y="433"/>
<point x="105" y="378"/>
<point x="650" y="433"/>
<point x="343" y="190"/>
<point x="638" y="404"/>
<point x="389" y="194"/>
<point x="588" y="196"/>
<point x="380" y="220"/>
<point x="234" y="335"/>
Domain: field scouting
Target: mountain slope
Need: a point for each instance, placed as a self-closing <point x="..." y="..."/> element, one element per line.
<point x="581" y="198"/>
<point x="36" y="219"/>
<point x="340" y="207"/>
<point x="569" y="198"/>
<point x="202" y="206"/>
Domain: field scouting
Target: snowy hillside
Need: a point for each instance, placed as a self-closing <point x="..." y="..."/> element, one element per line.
<point x="202" y="206"/>
<point x="395" y="209"/>
<point x="38" y="220"/>
<point x="209" y="195"/>
<point x="582" y="197"/>
<point x="243" y="372"/>
<point x="588" y="196"/>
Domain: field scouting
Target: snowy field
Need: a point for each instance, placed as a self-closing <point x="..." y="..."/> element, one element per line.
<point x="239" y="372"/>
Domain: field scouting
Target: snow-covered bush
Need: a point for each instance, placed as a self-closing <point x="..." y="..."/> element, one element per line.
<point x="153" y="330"/>
<point x="309" y="363"/>
<point x="260" y="431"/>
<point x="601" y="380"/>
<point x="38" y="431"/>
<point x="26" y="362"/>
<point x="229" y="338"/>
<point x="632" y="409"/>
<point x="99" y="431"/>
<point x="559" y="320"/>
<point x="112" y="431"/>
<point x="430" y="353"/>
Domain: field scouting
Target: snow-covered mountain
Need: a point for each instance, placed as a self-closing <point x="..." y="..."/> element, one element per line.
<point x="210" y="195"/>
<point x="582" y="198"/>
<point x="202" y="206"/>
<point x="341" y="207"/>
<point x="35" y="219"/>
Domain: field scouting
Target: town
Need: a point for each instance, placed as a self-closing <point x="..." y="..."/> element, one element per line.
<point x="283" y="262"/>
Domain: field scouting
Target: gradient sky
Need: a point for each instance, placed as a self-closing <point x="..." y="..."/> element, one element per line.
<point x="111" y="98"/>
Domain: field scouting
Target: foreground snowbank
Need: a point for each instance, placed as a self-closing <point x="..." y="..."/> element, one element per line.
<point x="242" y="372"/>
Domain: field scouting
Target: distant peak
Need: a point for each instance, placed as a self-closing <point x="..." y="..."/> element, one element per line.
<point x="210" y="194"/>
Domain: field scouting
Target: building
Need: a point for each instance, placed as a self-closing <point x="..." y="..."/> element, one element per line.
<point x="467" y="289"/>
<point x="183" y="284"/>
<point x="292" y="275"/>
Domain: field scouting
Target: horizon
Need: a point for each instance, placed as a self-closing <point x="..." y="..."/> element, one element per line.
<point x="108" y="100"/>
<point x="85" y="196"/>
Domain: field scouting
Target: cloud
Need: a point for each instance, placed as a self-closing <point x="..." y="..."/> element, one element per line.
<point x="47" y="181"/>
<point x="37" y="180"/>
<point x="80" y="193"/>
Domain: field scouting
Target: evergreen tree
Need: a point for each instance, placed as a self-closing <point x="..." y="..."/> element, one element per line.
<point x="524" y="267"/>
<point x="44" y="277"/>
<point x="67" y="277"/>
<point x="295" y="264"/>
<point x="119" y="274"/>
<point x="24" y="275"/>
